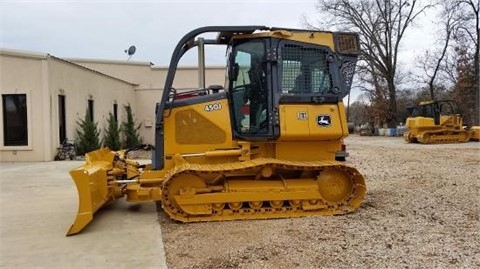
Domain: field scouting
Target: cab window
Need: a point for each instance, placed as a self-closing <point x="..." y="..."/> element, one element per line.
<point x="249" y="88"/>
<point x="304" y="70"/>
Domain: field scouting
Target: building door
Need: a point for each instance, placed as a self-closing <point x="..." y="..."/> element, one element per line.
<point x="115" y="111"/>
<point x="62" y="129"/>
<point x="90" y="109"/>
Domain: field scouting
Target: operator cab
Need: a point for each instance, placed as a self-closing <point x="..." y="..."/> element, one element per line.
<point x="265" y="72"/>
<point x="433" y="109"/>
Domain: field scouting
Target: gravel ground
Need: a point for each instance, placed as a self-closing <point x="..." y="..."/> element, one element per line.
<point x="422" y="210"/>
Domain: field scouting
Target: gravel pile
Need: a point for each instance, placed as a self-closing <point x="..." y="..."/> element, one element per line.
<point x="422" y="210"/>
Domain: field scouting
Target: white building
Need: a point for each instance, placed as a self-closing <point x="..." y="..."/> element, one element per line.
<point x="43" y="96"/>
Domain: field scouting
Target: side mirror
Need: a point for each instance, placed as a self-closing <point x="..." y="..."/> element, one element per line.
<point x="233" y="72"/>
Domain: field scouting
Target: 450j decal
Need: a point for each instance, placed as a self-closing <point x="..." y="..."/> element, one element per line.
<point x="213" y="107"/>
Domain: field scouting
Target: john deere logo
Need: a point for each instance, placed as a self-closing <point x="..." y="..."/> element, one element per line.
<point x="324" y="120"/>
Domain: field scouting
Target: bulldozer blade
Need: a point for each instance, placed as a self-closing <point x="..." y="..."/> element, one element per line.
<point x="92" y="187"/>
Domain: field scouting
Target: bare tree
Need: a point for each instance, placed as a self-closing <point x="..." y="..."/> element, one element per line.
<point x="356" y="112"/>
<point x="461" y="65"/>
<point x="470" y="27"/>
<point x="382" y="25"/>
<point x="434" y="61"/>
<point x="469" y="31"/>
<point x="465" y="36"/>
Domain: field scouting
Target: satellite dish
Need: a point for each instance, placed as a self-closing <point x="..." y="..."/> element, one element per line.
<point x="130" y="51"/>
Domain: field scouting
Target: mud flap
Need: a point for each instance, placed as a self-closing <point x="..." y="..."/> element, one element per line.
<point x="92" y="186"/>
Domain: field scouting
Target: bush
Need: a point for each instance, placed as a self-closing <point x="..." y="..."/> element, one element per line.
<point x="87" y="136"/>
<point x="111" y="139"/>
<point x="130" y="130"/>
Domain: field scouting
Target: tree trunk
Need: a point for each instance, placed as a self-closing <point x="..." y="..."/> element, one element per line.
<point x="392" y="104"/>
<point x="476" y="117"/>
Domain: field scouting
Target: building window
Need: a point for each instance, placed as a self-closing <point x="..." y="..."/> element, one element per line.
<point x="90" y="109"/>
<point x="115" y="112"/>
<point x="62" y="129"/>
<point x="15" y="125"/>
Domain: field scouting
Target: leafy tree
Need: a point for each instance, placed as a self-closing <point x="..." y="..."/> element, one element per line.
<point x="130" y="129"/>
<point x="112" y="134"/>
<point x="465" y="91"/>
<point x="87" y="135"/>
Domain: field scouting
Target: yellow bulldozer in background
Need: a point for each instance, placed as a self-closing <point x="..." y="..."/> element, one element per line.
<point x="264" y="146"/>
<point x="438" y="122"/>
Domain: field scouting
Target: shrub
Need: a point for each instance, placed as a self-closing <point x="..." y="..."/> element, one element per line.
<point x="130" y="130"/>
<point x="111" y="139"/>
<point x="87" y="136"/>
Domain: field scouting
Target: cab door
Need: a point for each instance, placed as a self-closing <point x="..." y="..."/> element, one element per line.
<point x="250" y="88"/>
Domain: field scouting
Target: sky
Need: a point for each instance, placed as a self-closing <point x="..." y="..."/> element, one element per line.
<point x="105" y="29"/>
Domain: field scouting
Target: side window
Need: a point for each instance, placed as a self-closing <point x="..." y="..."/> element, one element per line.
<point x="290" y="71"/>
<point x="15" y="125"/>
<point x="428" y="111"/>
<point x="304" y="70"/>
<point x="243" y="64"/>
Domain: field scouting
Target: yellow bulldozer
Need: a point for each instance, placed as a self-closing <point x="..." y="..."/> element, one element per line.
<point x="437" y="122"/>
<point x="263" y="146"/>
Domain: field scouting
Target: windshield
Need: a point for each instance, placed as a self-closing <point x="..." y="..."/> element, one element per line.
<point x="304" y="70"/>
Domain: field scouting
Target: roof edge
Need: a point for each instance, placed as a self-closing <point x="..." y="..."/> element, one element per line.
<point x="23" y="53"/>
<point x="109" y="61"/>
<point x="89" y="69"/>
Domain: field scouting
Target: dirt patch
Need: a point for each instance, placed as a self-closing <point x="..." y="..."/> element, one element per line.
<point x="421" y="210"/>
